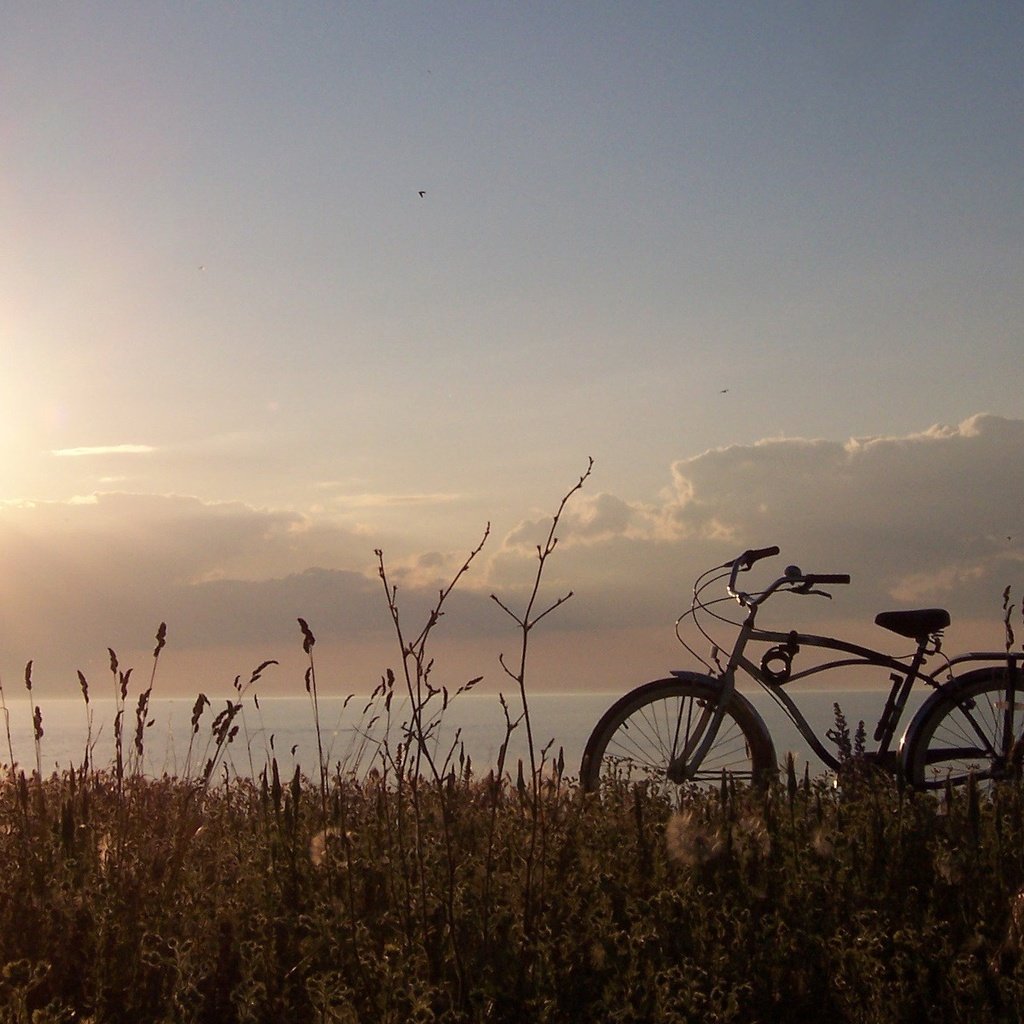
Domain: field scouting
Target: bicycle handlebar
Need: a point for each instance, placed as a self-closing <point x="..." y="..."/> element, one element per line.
<point x="799" y="582"/>
<point x="745" y="561"/>
<point x="752" y="555"/>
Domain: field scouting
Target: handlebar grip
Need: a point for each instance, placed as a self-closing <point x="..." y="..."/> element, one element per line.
<point x="827" y="577"/>
<point x="752" y="555"/>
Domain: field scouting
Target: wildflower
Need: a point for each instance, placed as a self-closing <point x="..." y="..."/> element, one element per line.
<point x="753" y="834"/>
<point x="326" y="843"/>
<point x="822" y="845"/>
<point x="689" y="841"/>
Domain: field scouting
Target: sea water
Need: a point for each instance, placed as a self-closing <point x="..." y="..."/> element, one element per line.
<point x="352" y="731"/>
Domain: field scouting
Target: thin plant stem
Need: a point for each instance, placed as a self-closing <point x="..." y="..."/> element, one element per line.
<point x="7" y="728"/>
<point x="529" y="618"/>
<point x="308" y="640"/>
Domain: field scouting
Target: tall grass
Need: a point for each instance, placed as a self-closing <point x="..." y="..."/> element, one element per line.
<point x="246" y="904"/>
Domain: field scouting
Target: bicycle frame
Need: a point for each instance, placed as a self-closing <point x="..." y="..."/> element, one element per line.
<point x="903" y="676"/>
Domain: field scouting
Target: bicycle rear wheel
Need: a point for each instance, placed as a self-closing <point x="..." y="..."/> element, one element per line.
<point x="972" y="726"/>
<point x="644" y="732"/>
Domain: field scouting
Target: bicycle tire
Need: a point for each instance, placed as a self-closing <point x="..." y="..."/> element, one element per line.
<point x="641" y="733"/>
<point x="968" y="727"/>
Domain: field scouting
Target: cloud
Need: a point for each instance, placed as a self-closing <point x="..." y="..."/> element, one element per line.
<point x="589" y="519"/>
<point x="947" y="496"/>
<point x="380" y="501"/>
<point x="110" y="449"/>
<point x="106" y="569"/>
<point x="931" y="518"/>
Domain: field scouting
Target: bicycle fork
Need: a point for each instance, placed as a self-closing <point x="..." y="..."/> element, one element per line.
<point x="1011" y="745"/>
<point x="697" y="736"/>
<point x="700" y="738"/>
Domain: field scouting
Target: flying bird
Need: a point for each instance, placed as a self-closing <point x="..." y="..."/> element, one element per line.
<point x="422" y="194"/>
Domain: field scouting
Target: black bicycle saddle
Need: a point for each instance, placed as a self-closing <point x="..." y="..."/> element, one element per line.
<point x="917" y="625"/>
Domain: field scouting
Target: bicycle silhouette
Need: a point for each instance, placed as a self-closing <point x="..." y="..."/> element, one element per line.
<point x="694" y="728"/>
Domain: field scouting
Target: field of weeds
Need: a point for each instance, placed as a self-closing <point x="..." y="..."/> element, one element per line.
<point x="464" y="899"/>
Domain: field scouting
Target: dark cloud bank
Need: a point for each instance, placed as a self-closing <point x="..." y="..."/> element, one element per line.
<point x="931" y="518"/>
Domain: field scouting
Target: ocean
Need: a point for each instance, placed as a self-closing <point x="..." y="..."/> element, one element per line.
<point x="283" y="728"/>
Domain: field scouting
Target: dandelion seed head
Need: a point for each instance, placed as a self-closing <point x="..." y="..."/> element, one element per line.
<point x="752" y="833"/>
<point x="689" y="841"/>
<point x="822" y="845"/>
<point x="327" y="843"/>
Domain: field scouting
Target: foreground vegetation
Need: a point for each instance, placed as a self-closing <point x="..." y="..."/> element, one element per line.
<point x="400" y="884"/>
<point x="471" y="899"/>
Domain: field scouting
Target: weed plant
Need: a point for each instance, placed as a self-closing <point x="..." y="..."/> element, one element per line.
<point x="244" y="902"/>
<point x="402" y="883"/>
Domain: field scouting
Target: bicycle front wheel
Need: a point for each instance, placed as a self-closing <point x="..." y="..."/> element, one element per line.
<point x="972" y="726"/>
<point x="654" y="726"/>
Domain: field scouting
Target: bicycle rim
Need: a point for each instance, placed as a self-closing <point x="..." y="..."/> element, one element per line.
<point x="649" y="729"/>
<point x="974" y="729"/>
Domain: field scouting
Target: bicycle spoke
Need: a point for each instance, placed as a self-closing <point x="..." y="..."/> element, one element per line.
<point x="971" y="731"/>
<point x="655" y="734"/>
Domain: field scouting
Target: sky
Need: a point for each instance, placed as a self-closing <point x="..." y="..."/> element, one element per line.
<point x="285" y="284"/>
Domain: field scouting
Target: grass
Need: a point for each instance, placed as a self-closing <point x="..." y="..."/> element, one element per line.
<point x="252" y="901"/>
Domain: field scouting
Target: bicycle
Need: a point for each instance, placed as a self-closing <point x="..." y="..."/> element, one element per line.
<point x="696" y="728"/>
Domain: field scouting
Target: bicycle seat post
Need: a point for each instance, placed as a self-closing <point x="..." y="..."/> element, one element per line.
<point x="902" y="684"/>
